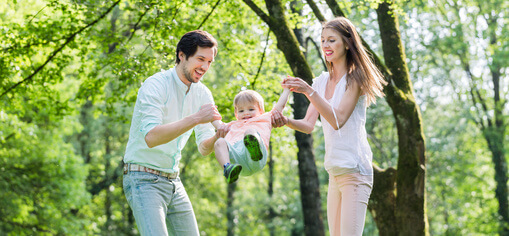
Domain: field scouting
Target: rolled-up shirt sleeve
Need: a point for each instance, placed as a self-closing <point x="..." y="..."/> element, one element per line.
<point x="207" y="130"/>
<point x="151" y="103"/>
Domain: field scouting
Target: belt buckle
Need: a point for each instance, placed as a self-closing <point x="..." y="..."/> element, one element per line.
<point x="169" y="175"/>
<point x="126" y="168"/>
<point x="173" y="175"/>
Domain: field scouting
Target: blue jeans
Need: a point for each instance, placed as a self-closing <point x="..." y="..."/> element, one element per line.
<point x="160" y="205"/>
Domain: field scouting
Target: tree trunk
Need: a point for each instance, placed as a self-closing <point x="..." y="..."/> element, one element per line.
<point x="409" y="215"/>
<point x="495" y="135"/>
<point x="492" y="126"/>
<point x="107" y="203"/>
<point x="288" y="44"/>
<point x="309" y="183"/>
<point x="495" y="141"/>
<point x="306" y="158"/>
<point x="382" y="202"/>
<point x="270" y="191"/>
<point x="84" y="135"/>
<point x="229" y="209"/>
<point x="411" y="196"/>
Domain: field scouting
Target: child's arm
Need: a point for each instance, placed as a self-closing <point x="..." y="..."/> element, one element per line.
<point x="217" y="123"/>
<point x="221" y="128"/>
<point x="282" y="100"/>
<point x="207" y="146"/>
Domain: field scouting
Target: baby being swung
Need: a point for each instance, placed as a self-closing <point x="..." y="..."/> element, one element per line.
<point x="244" y="149"/>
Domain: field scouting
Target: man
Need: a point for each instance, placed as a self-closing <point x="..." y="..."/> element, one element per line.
<point x="170" y="105"/>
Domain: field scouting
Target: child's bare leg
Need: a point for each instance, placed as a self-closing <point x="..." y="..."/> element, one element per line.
<point x="230" y="171"/>
<point x="221" y="150"/>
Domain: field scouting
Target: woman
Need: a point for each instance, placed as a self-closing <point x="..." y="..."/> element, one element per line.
<point x="340" y="96"/>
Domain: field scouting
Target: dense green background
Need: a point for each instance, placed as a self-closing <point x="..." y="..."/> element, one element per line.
<point x="70" y="71"/>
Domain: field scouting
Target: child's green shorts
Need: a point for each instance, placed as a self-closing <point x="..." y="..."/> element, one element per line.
<point x="239" y="154"/>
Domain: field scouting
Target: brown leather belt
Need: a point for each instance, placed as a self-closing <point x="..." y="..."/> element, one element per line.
<point x="138" y="168"/>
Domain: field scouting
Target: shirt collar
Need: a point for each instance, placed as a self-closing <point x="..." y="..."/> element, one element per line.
<point x="180" y="85"/>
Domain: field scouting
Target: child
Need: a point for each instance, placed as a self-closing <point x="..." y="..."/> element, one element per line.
<point x="246" y="144"/>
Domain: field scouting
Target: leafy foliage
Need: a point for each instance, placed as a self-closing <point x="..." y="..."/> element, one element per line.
<point x="79" y="64"/>
<point x="42" y="180"/>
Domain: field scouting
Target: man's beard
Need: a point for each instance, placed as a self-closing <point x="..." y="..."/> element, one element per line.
<point x="188" y="75"/>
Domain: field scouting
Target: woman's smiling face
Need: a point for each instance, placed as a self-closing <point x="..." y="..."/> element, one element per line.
<point x="332" y="45"/>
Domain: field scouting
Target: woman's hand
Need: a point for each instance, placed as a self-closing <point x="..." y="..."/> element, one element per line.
<point x="278" y="119"/>
<point x="297" y="85"/>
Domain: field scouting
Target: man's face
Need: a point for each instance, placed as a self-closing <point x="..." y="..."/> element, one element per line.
<point x="196" y="66"/>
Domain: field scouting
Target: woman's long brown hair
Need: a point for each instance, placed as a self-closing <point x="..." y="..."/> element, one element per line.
<point x="360" y="67"/>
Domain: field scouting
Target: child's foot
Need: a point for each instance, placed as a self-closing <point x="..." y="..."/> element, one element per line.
<point x="253" y="147"/>
<point x="232" y="172"/>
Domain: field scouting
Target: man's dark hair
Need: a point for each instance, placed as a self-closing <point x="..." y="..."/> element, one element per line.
<point x="190" y="42"/>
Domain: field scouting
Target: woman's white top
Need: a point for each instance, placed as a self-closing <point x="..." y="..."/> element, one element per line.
<point x="347" y="149"/>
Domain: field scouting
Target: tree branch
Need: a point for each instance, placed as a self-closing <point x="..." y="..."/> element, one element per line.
<point x="210" y="13"/>
<point x="58" y="50"/>
<point x="258" y="11"/>
<point x="261" y="61"/>
<point x="238" y="63"/>
<point x="309" y="39"/>
<point x="336" y="10"/>
<point x="135" y="27"/>
<point x="475" y="93"/>
<point x="316" y="10"/>
<point x="474" y="101"/>
<point x="31" y="19"/>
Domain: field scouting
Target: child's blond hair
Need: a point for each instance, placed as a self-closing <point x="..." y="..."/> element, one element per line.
<point x="249" y="97"/>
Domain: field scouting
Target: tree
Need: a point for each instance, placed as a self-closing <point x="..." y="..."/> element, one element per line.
<point x="483" y="65"/>
<point x="289" y="45"/>
<point x="411" y="174"/>
<point x="39" y="195"/>
<point x="409" y="203"/>
<point x="70" y="70"/>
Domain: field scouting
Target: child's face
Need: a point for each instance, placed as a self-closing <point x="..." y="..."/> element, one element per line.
<point x="246" y="111"/>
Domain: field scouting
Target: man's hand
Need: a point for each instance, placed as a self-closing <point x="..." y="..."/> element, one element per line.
<point x="207" y="146"/>
<point x="222" y="130"/>
<point x="278" y="119"/>
<point x="207" y="113"/>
